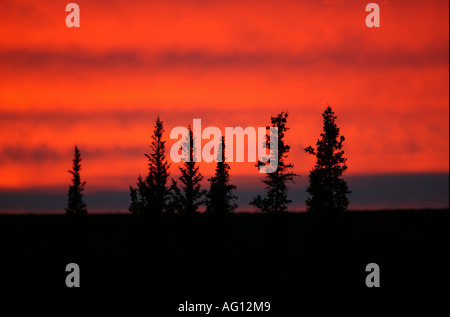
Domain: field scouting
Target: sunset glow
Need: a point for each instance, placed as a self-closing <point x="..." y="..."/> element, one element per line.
<point x="230" y="63"/>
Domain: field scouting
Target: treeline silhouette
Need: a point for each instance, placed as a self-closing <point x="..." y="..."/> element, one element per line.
<point x="328" y="192"/>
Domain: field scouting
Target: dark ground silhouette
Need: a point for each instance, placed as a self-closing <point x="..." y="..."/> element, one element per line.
<point x="235" y="254"/>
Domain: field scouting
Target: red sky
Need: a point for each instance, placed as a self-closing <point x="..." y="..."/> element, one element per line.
<point x="230" y="63"/>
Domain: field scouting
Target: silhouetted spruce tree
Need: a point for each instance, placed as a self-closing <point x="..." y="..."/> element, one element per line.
<point x="187" y="200"/>
<point x="76" y="204"/>
<point x="276" y="199"/>
<point x="139" y="197"/>
<point x="175" y="203"/>
<point x="328" y="192"/>
<point x="151" y="194"/>
<point x="220" y="198"/>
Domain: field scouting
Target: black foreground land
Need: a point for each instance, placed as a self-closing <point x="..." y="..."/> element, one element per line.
<point x="236" y="255"/>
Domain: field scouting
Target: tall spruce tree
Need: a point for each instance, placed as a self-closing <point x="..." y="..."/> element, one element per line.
<point x="220" y="198"/>
<point x="152" y="193"/>
<point x="276" y="200"/>
<point x="187" y="200"/>
<point x="328" y="192"/>
<point x="76" y="204"/>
